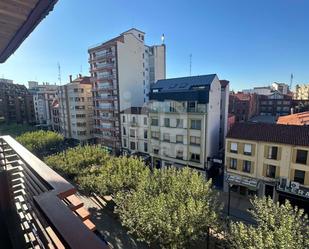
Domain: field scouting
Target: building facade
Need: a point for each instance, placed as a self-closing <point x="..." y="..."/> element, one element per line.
<point x="268" y="160"/>
<point x="122" y="71"/>
<point x="243" y="105"/>
<point x="302" y="92"/>
<point x="134" y="130"/>
<point x="184" y="121"/>
<point x="43" y="96"/>
<point x="16" y="103"/>
<point x="76" y="109"/>
<point x="275" y="104"/>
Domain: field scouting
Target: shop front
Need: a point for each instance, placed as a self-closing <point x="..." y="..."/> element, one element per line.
<point x="245" y="186"/>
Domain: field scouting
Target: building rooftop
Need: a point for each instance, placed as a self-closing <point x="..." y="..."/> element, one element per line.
<point x="135" y="110"/>
<point x="17" y="20"/>
<point x="301" y="118"/>
<point x="273" y="133"/>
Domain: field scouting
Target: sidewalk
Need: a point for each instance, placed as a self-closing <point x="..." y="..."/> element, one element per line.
<point x="239" y="206"/>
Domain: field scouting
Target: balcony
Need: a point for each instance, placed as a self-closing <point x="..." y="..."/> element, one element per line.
<point x="39" y="208"/>
<point x="102" y="67"/>
<point x="102" y="56"/>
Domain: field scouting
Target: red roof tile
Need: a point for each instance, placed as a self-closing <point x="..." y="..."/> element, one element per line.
<point x="301" y="118"/>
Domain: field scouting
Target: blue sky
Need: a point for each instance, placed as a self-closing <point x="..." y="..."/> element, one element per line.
<point x="249" y="42"/>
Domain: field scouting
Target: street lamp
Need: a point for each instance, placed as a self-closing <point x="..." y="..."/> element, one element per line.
<point x="229" y="200"/>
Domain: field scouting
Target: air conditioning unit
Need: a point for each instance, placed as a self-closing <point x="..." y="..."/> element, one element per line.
<point x="294" y="185"/>
<point x="284" y="182"/>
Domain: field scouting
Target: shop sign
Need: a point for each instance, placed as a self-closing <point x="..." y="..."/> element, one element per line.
<point x="246" y="181"/>
<point x="294" y="188"/>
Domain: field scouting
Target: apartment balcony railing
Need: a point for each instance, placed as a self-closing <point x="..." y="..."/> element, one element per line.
<point x="102" y="67"/>
<point x="102" y="56"/>
<point x="105" y="98"/>
<point x="39" y="207"/>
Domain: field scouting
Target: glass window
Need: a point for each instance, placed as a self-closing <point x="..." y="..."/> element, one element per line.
<point x="273" y="152"/>
<point x="132" y="145"/>
<point x="179" y="123"/>
<point x="145" y="147"/>
<point x="166" y="137"/>
<point x="145" y="120"/>
<point x="145" y="134"/>
<point x="124" y="131"/>
<point x="133" y="120"/>
<point x="195" y="140"/>
<point x="154" y="122"/>
<point x="132" y="133"/>
<point x="233" y="148"/>
<point x="155" y="135"/>
<point x="124" y="142"/>
<point x="195" y="157"/>
<point x="246" y="166"/>
<point x="271" y="171"/>
<point x="196" y="124"/>
<point x="248" y="149"/>
<point x="166" y="122"/>
<point x="301" y="156"/>
<point x="233" y="163"/>
<point x="179" y="138"/>
<point x="299" y="176"/>
<point x="179" y="154"/>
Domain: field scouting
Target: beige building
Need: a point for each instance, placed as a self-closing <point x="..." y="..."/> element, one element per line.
<point x="268" y="159"/>
<point x="76" y="109"/>
<point x="122" y="70"/>
<point x="184" y="121"/>
<point x="302" y="92"/>
<point x="134" y="130"/>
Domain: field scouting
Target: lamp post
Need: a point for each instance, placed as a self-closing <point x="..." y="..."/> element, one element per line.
<point x="229" y="201"/>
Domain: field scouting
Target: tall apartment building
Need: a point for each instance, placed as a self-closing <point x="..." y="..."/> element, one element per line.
<point x="43" y="96"/>
<point x="122" y="71"/>
<point x="76" y="109"/>
<point x="269" y="159"/>
<point x="224" y="107"/>
<point x="184" y="121"/>
<point x="16" y="103"/>
<point x="134" y="130"/>
<point x="275" y="104"/>
<point x="243" y="105"/>
<point x="55" y="116"/>
<point x="302" y="92"/>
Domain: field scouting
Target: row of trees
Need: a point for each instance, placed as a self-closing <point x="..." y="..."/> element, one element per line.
<point x="174" y="208"/>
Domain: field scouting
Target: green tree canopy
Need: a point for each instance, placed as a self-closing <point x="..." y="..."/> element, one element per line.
<point x="115" y="174"/>
<point x="279" y="227"/>
<point x="170" y="208"/>
<point x="41" y="142"/>
<point x="77" y="161"/>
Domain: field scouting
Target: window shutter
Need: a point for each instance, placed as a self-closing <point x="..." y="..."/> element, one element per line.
<point x="294" y="156"/>
<point x="239" y="164"/>
<point x="253" y="149"/>
<point x="252" y="168"/>
<point x="278" y="170"/>
<point x="306" y="178"/>
<point x="264" y="170"/>
<point x="279" y="153"/>
<point x="292" y="172"/>
<point x="266" y="149"/>
<point x="228" y="162"/>
<point x="240" y="148"/>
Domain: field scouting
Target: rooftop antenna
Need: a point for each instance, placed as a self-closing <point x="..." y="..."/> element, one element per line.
<point x="162" y="38"/>
<point x="59" y="73"/>
<point x="291" y="81"/>
<point x="190" y="58"/>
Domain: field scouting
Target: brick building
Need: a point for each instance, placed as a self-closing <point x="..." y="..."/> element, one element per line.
<point x="243" y="105"/>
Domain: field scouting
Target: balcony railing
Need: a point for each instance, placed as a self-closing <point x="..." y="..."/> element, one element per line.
<point x="41" y="208"/>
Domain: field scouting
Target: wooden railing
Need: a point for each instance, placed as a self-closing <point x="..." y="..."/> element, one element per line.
<point x="50" y="214"/>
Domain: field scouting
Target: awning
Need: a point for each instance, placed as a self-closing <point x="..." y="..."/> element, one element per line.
<point x="243" y="181"/>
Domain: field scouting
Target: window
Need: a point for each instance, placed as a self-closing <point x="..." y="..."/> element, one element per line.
<point x="155" y="135"/>
<point x="301" y="156"/>
<point x="145" y="134"/>
<point x="191" y="106"/>
<point x="246" y="166"/>
<point x="233" y="148"/>
<point x="179" y="138"/>
<point x="145" y="120"/>
<point x="195" y="157"/>
<point x="233" y="163"/>
<point x="132" y="145"/>
<point x="166" y="122"/>
<point x="156" y="151"/>
<point x="248" y="149"/>
<point x="132" y="133"/>
<point x="195" y="140"/>
<point x="154" y="122"/>
<point x="271" y="171"/>
<point x="179" y="154"/>
<point x="195" y="124"/>
<point x="179" y="123"/>
<point x="299" y="176"/>
<point x="273" y="152"/>
<point x="124" y="142"/>
<point x="124" y="131"/>
<point x="133" y="120"/>
<point x="145" y="147"/>
<point x="166" y="137"/>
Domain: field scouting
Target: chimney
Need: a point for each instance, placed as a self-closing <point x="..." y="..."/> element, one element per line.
<point x="70" y="78"/>
<point x="292" y="110"/>
<point x="80" y="76"/>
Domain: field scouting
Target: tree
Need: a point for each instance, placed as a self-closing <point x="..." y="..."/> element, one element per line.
<point x="171" y="208"/>
<point x="77" y="161"/>
<point x="278" y="227"/>
<point x="41" y="143"/>
<point x="115" y="174"/>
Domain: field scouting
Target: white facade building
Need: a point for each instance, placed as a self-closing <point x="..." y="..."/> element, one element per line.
<point x="43" y="96"/>
<point x="184" y="117"/>
<point x="122" y="71"/>
<point x="76" y="109"/>
<point x="134" y="130"/>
